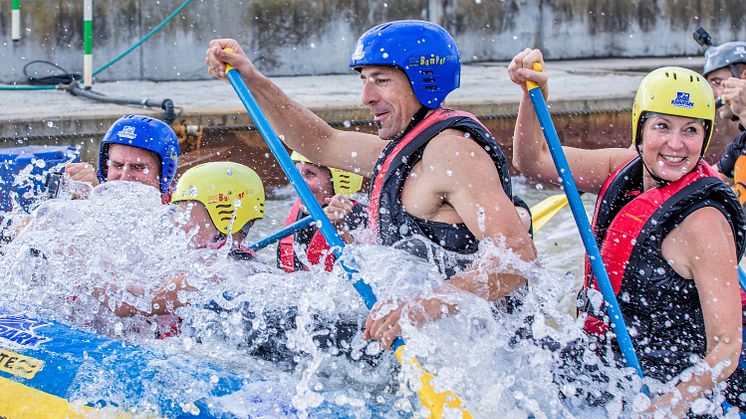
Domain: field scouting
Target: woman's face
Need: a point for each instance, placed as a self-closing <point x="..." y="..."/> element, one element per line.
<point x="319" y="180"/>
<point x="671" y="145"/>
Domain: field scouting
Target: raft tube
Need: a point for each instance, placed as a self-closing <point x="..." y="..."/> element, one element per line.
<point x="48" y="369"/>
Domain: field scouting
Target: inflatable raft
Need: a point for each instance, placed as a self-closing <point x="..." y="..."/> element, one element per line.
<point x="48" y="369"/>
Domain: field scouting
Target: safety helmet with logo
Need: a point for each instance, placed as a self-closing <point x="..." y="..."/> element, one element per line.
<point x="725" y="55"/>
<point x="425" y="52"/>
<point x="342" y="182"/>
<point x="232" y="193"/>
<point x="149" y="134"/>
<point x="674" y="91"/>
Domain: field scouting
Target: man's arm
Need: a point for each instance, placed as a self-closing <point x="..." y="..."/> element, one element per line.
<point x="460" y="171"/>
<point x="299" y="128"/>
<point x="590" y="168"/>
<point x="471" y="184"/>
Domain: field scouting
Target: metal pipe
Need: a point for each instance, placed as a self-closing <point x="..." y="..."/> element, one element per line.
<point x="88" y="43"/>
<point x="169" y="114"/>
<point x="16" y="20"/>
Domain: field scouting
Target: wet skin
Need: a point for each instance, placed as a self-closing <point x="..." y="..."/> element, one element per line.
<point x="133" y="164"/>
<point x="392" y="109"/>
<point x="731" y="89"/>
<point x="124" y="163"/>
<point x="464" y="187"/>
<point x="671" y="146"/>
<point x="319" y="180"/>
<point x="200" y="219"/>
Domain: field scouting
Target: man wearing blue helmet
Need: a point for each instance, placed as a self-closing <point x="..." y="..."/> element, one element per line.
<point x="439" y="182"/>
<point x="136" y="148"/>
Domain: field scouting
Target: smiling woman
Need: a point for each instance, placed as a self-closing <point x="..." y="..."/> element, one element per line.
<point x="680" y="293"/>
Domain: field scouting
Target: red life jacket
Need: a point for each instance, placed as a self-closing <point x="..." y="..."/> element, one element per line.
<point x="622" y="233"/>
<point x="387" y="217"/>
<point x="317" y="247"/>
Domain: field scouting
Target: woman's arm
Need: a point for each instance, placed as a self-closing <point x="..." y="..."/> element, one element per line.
<point x="712" y="263"/>
<point x="531" y="155"/>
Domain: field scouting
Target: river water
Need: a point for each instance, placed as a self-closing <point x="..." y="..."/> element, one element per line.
<point x="122" y="243"/>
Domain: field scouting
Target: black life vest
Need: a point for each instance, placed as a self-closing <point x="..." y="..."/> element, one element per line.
<point x="660" y="306"/>
<point x="387" y="217"/>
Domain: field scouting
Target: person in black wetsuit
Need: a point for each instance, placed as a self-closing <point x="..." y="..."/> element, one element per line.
<point x="678" y="290"/>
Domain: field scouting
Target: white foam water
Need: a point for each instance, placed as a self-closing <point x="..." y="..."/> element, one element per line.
<point x="123" y="243"/>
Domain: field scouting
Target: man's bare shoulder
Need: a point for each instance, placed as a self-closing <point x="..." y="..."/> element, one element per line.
<point x="455" y="147"/>
<point x="456" y="161"/>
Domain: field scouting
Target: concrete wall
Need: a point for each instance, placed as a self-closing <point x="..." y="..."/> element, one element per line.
<point x="289" y="37"/>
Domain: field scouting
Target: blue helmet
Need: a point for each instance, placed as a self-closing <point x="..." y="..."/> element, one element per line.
<point x="149" y="134"/>
<point x="423" y="50"/>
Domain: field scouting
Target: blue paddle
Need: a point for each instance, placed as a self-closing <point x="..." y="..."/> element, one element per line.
<point x="584" y="226"/>
<point x="429" y="397"/>
<point x="281" y="234"/>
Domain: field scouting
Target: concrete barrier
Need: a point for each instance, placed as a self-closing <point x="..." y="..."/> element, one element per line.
<point x="294" y="37"/>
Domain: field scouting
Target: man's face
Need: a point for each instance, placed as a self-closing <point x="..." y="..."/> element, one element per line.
<point x="716" y="79"/>
<point x="388" y="94"/>
<point x="133" y="164"/>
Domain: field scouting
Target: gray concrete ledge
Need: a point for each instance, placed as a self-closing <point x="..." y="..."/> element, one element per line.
<point x="576" y="86"/>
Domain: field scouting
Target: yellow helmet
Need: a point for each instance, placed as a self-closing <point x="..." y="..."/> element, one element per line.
<point x="343" y="182"/>
<point x="674" y="91"/>
<point x="232" y="193"/>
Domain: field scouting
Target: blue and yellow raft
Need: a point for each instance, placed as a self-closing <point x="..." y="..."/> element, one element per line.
<point x="48" y="369"/>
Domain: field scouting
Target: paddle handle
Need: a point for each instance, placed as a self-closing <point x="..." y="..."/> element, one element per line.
<point x="291" y="229"/>
<point x="300" y="186"/>
<point x="428" y="396"/>
<point x="584" y="226"/>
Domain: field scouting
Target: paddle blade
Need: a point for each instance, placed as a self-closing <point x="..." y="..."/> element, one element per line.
<point x="542" y="212"/>
<point x="435" y="401"/>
